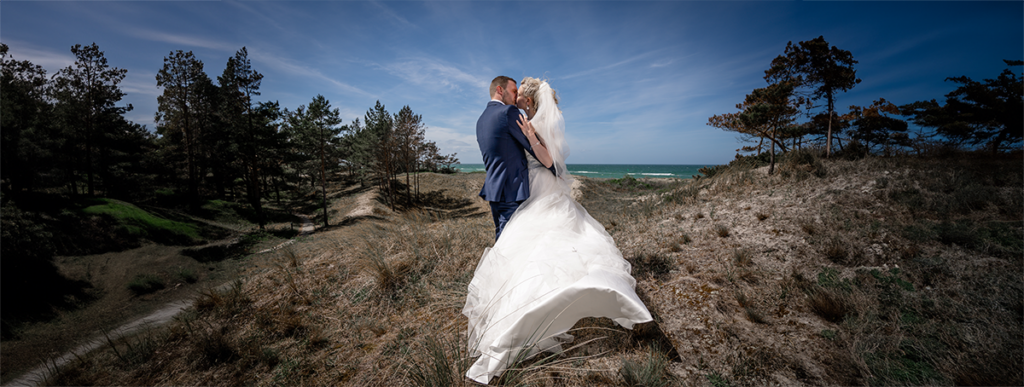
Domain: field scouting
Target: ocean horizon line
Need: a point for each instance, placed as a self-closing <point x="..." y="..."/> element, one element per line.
<point x="614" y="171"/>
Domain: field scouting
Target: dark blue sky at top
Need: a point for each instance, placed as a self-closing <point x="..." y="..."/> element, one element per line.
<point x="637" y="80"/>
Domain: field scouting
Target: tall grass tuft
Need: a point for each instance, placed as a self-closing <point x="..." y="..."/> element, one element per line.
<point x="650" y="371"/>
<point x="445" y="364"/>
<point x="722" y="230"/>
<point x="830" y="304"/>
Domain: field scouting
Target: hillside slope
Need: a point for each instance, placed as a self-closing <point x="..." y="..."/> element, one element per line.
<point x="874" y="271"/>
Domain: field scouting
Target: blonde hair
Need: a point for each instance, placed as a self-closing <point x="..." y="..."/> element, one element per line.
<point x="529" y="87"/>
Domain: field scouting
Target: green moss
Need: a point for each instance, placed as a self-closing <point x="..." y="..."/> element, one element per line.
<point x="139" y="223"/>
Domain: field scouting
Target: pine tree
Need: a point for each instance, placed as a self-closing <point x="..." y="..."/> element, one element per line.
<point x="317" y="134"/>
<point x="28" y="142"/>
<point x="182" y="78"/>
<point x="86" y="94"/>
<point x="825" y="70"/>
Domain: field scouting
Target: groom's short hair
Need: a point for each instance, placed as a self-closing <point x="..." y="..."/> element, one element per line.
<point x="500" y="80"/>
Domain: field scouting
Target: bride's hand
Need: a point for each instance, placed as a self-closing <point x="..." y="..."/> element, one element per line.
<point x="527" y="128"/>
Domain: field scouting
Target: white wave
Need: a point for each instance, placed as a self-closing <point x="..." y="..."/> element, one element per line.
<point x="656" y="174"/>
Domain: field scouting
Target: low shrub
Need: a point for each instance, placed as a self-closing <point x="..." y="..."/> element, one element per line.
<point x="145" y="284"/>
<point x="651" y="265"/>
<point x="722" y="230"/>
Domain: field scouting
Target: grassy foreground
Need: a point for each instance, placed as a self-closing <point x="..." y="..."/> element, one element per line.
<point x="840" y="272"/>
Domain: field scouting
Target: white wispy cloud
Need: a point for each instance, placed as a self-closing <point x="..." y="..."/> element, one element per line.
<point x="141" y="83"/>
<point x="183" y="40"/>
<point x="450" y="141"/>
<point x="662" y="63"/>
<point x="434" y="72"/>
<point x="50" y="60"/>
<point x="392" y="15"/>
<point x="291" y="67"/>
<point x="612" y="65"/>
<point x="263" y="16"/>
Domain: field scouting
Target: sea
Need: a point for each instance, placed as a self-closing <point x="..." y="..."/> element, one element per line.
<point x="617" y="171"/>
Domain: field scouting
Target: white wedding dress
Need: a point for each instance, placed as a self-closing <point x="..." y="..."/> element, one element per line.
<point x="553" y="265"/>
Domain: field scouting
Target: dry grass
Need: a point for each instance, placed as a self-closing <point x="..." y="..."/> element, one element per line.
<point x="901" y="299"/>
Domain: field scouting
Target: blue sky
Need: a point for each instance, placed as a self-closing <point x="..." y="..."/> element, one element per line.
<point x="637" y="80"/>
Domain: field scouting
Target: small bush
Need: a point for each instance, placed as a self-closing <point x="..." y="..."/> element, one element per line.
<point x="145" y="284"/>
<point x="651" y="265"/>
<point x="830" y="305"/>
<point x="742" y="257"/>
<point x="808" y="228"/>
<point x="630" y="183"/>
<point x="390" y="276"/>
<point x="188" y="276"/>
<point x="835" y="250"/>
<point x="722" y="230"/>
<point x="828" y="334"/>
<point x="754" y="316"/>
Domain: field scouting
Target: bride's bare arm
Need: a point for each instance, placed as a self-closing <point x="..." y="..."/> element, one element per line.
<point x="539" y="149"/>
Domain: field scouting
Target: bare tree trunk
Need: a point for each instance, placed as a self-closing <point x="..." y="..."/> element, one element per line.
<point x="828" y="143"/>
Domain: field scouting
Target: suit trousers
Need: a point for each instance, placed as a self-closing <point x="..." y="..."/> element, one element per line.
<point x="502" y="212"/>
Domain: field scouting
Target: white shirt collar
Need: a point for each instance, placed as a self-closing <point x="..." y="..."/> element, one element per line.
<point x="498" y="101"/>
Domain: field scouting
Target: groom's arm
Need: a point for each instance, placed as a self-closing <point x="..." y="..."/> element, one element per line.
<point x="513" y="127"/>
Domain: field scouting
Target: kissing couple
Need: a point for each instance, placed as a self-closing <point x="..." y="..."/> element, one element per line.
<point x="552" y="264"/>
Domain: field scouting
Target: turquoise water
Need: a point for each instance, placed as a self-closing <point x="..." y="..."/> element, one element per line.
<point x="615" y="171"/>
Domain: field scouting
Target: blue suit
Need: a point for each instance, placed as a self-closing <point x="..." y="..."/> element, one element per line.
<point x="508" y="176"/>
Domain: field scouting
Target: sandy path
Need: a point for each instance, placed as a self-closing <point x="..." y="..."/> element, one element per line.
<point x="38" y="375"/>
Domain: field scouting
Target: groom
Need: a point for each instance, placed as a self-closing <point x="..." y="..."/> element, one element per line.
<point x="502" y="144"/>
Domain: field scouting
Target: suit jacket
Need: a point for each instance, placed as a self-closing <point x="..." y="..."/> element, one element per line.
<point x="502" y="144"/>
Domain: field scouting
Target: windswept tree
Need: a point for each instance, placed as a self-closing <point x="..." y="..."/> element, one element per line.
<point x="27" y="142"/>
<point x="316" y="131"/>
<point x="86" y="94"/>
<point x="826" y="71"/>
<point x="875" y="126"/>
<point x="770" y="111"/>
<point x="182" y="79"/>
<point x="990" y="112"/>
<point x="768" y="114"/>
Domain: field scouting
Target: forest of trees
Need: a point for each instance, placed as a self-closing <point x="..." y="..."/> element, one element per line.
<point x="68" y="134"/>
<point x="798" y="108"/>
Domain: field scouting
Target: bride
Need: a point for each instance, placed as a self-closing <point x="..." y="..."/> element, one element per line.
<point x="553" y="264"/>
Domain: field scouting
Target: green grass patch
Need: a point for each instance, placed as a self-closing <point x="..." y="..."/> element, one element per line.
<point x="630" y="183"/>
<point x="139" y="223"/>
<point x="829" y="278"/>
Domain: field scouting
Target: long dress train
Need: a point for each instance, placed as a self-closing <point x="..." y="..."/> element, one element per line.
<point x="553" y="265"/>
